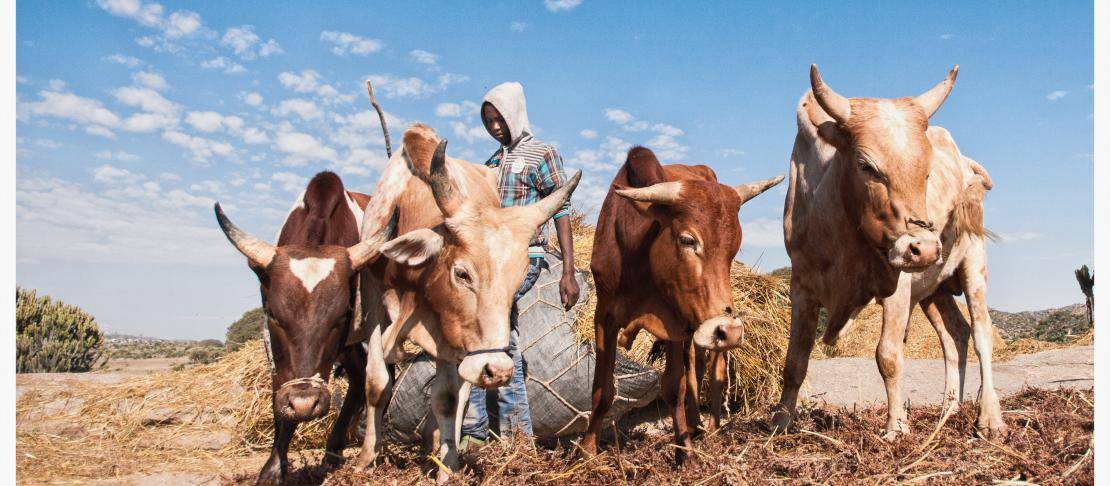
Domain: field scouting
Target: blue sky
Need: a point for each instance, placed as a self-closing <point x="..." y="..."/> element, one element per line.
<point x="134" y="116"/>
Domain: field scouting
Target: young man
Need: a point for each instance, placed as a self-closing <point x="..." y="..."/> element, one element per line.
<point x="527" y="171"/>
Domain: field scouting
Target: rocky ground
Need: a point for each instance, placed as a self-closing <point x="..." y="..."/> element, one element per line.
<point x="1053" y="325"/>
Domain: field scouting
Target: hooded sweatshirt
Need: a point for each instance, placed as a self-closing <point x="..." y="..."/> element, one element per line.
<point x="527" y="169"/>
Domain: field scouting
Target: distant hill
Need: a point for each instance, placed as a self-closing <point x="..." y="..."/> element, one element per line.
<point x="123" y="346"/>
<point x="1053" y="325"/>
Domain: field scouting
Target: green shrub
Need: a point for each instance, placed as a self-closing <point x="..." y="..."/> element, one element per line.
<point x="52" y="336"/>
<point x="246" y="328"/>
<point x="205" y="354"/>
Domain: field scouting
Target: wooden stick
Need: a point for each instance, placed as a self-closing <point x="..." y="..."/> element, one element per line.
<point x="381" y="116"/>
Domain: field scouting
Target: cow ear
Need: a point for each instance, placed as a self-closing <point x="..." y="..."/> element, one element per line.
<point x="413" y="248"/>
<point x="827" y="128"/>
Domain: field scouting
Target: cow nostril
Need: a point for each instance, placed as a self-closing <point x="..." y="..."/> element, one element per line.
<point x="487" y="372"/>
<point x="728" y="310"/>
<point x="915" y="249"/>
<point x="720" y="333"/>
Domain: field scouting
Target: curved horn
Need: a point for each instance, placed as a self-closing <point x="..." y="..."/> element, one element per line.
<point x="257" y="251"/>
<point x="661" y="193"/>
<point x="542" y="210"/>
<point x="443" y="189"/>
<point x="931" y="100"/>
<point x="367" y="251"/>
<point x="835" y="105"/>
<point x="753" y="189"/>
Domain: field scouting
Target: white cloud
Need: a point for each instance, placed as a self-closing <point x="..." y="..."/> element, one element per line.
<point x="209" y="186"/>
<point x="1055" y="95"/>
<point x="301" y="148"/>
<point x="247" y="45"/>
<point x="303" y="108"/>
<point x="361" y="128"/>
<point x="561" y="5"/>
<point x="253" y="99"/>
<point x="762" y="232"/>
<point x="128" y="61"/>
<point x="182" y="24"/>
<point x="470" y="133"/>
<point x="589" y="134"/>
<point x="149" y="15"/>
<point x="56" y="85"/>
<point x="1020" y="236"/>
<point x="109" y="174"/>
<point x="146" y="100"/>
<point x="100" y="131"/>
<point x="201" y="149"/>
<point x="517" y="26"/>
<point x="344" y="43"/>
<point x="730" y="152"/>
<point x="71" y="107"/>
<point x="150" y="80"/>
<point x="205" y="121"/>
<point x="289" y="181"/>
<point x="228" y="66"/>
<point x="455" y="110"/>
<point x="618" y="115"/>
<point x="413" y="87"/>
<point x="309" y="81"/>
<point x="947" y="36"/>
<point x="423" y="57"/>
<point x="149" y="122"/>
<point x="120" y="155"/>
<point x="360" y="162"/>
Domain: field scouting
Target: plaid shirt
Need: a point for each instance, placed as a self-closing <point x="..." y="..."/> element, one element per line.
<point x="527" y="172"/>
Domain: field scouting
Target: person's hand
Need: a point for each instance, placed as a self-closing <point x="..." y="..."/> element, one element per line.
<point x="568" y="290"/>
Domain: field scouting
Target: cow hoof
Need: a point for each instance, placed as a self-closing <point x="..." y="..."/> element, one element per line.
<point x="587" y="448"/>
<point x="443" y="476"/>
<point x="332" y="460"/>
<point x="781" y="421"/>
<point x="272" y="474"/>
<point x="895" y="429"/>
<point x="990" y="427"/>
<point x="364" y="461"/>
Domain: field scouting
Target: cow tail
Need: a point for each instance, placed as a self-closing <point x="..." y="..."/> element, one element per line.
<point x="968" y="215"/>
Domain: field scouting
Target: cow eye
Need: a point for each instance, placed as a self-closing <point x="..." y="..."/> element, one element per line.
<point x="687" y="240"/>
<point x="867" y="167"/>
<point x="462" y="274"/>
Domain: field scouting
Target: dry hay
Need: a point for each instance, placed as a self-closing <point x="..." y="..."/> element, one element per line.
<point x="189" y="417"/>
<point x="1050" y="442"/>
<point x="921" y="339"/>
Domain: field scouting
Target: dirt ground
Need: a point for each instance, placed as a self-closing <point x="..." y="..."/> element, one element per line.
<point x="830" y="431"/>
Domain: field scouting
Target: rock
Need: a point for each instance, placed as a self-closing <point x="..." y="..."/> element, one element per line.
<point x="209" y="440"/>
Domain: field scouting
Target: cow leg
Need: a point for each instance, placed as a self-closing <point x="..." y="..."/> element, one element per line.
<point x="803" y="328"/>
<point x="605" y="335"/>
<point x="718" y="376"/>
<point x="446" y="400"/>
<point x="889" y="355"/>
<point x="674" y="394"/>
<point x="693" y="377"/>
<point x="273" y="472"/>
<point x="959" y="329"/>
<point x="990" y="423"/>
<point x="354" y="362"/>
<point x="951" y="360"/>
<point x="379" y="387"/>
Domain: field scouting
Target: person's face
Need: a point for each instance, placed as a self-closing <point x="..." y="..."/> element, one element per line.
<point x="495" y="123"/>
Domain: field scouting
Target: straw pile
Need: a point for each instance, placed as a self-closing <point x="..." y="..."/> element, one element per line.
<point x="1050" y="443"/>
<point x="200" y="414"/>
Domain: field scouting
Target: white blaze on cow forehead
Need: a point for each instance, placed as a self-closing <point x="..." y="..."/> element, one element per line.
<point x="310" y="271"/>
<point x="894" y="119"/>
<point x="500" y="242"/>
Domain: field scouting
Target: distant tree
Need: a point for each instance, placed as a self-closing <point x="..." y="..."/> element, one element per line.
<point x="246" y="328"/>
<point x="1086" y="281"/>
<point x="211" y="343"/>
<point x="51" y="336"/>
<point x="783" y="273"/>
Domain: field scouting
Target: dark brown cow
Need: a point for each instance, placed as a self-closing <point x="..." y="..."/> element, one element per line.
<point x="666" y="238"/>
<point x="309" y="288"/>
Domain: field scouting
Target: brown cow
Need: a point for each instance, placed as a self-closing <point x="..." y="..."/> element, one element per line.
<point x="447" y="284"/>
<point x="883" y="206"/>
<point x="666" y="238"/>
<point x="308" y="284"/>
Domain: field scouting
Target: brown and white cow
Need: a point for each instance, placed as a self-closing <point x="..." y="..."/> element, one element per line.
<point x="309" y="288"/>
<point x="883" y="206"/>
<point x="447" y="284"/>
<point x="666" y="238"/>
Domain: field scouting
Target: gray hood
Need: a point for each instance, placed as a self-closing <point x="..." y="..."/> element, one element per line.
<point x="508" y="98"/>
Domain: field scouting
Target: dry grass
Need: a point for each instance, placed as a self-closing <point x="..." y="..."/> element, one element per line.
<point x="145" y="423"/>
<point x="1050" y="442"/>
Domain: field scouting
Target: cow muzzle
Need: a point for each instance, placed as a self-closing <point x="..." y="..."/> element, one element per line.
<point x="302" y="399"/>
<point x="720" y="333"/>
<point x="487" y="368"/>
<point x="915" y="251"/>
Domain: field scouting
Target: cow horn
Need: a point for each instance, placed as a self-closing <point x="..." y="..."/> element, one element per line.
<point x="257" y="251"/>
<point x="443" y="189"/>
<point x="835" y="105"/>
<point x="367" y="251"/>
<point x="753" y="189"/>
<point x="542" y="210"/>
<point x="661" y="193"/>
<point x="931" y="100"/>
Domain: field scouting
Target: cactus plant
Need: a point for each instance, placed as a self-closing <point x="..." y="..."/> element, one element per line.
<point x="52" y="336"/>
<point x="1087" y="284"/>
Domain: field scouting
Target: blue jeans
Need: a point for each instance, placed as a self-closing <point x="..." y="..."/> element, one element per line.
<point x="512" y="399"/>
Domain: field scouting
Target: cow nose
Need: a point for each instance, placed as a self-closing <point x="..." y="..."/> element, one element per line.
<point x="303" y="405"/>
<point x="728" y="310"/>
